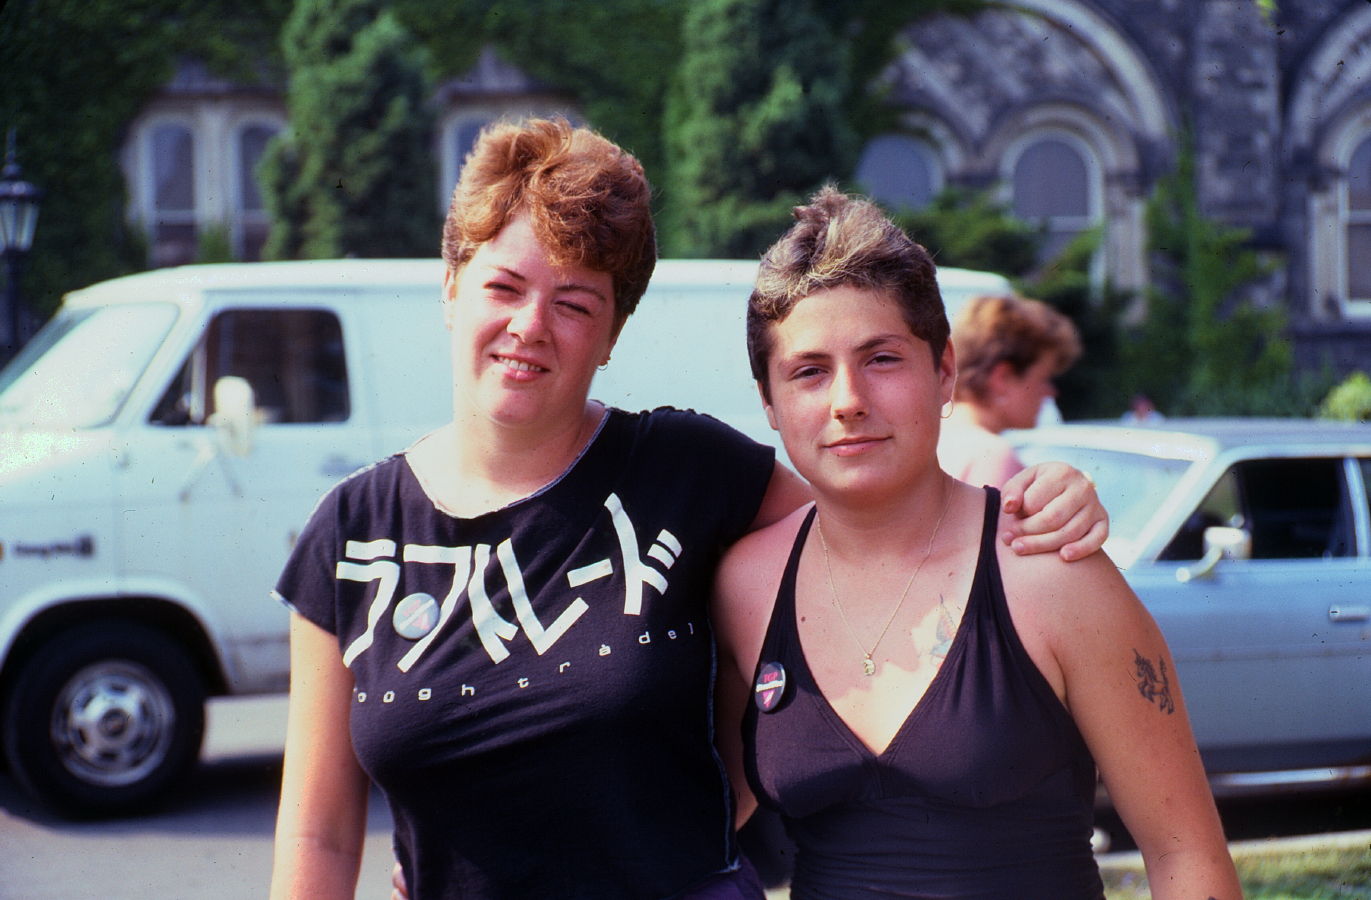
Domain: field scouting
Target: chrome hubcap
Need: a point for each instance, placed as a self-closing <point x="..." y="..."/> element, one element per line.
<point x="113" y="723"/>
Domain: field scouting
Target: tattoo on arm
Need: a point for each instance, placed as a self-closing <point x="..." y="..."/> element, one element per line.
<point x="1153" y="683"/>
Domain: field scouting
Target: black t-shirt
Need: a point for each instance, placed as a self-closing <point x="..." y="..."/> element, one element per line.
<point x="533" y="687"/>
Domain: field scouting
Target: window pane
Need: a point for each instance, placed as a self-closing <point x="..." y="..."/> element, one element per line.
<point x="78" y="370"/>
<point x="1359" y="262"/>
<point x="1295" y="508"/>
<point x="254" y="237"/>
<point x="464" y="138"/>
<point x="252" y="142"/>
<point x="898" y="171"/>
<point x="292" y="358"/>
<point x="1359" y="177"/>
<point x="1051" y="179"/>
<point x="1220" y="508"/>
<point x="174" y="243"/>
<point x="173" y="167"/>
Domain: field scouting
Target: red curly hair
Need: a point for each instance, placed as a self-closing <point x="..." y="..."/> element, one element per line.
<point x="588" y="199"/>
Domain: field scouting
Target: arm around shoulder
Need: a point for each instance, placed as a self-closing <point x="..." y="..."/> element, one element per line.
<point x="744" y="587"/>
<point x="321" y="825"/>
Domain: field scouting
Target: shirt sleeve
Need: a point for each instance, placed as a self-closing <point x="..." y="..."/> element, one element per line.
<point x="730" y="470"/>
<point x="307" y="584"/>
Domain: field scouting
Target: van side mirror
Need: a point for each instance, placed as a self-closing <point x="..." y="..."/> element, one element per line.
<point x="235" y="414"/>
<point x="1219" y="543"/>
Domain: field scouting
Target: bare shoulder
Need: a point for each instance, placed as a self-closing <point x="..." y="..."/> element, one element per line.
<point x="747" y="580"/>
<point x="1061" y="597"/>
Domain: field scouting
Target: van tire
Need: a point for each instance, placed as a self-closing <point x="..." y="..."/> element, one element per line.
<point x="104" y="719"/>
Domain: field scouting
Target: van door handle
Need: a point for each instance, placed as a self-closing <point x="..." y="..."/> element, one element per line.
<point x="338" y="466"/>
<point x="1349" y="613"/>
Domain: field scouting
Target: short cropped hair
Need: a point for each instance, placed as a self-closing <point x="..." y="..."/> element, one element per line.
<point x="588" y="199"/>
<point x="994" y="329"/>
<point x="838" y="240"/>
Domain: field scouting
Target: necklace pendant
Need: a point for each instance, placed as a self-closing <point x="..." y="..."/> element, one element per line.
<point x="868" y="667"/>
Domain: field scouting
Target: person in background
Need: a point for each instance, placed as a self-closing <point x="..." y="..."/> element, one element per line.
<point x="1142" y="411"/>
<point x="505" y="627"/>
<point x="925" y="710"/>
<point x="1008" y="350"/>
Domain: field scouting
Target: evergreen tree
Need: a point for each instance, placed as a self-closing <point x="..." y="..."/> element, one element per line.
<point x="755" y="121"/>
<point x="355" y="175"/>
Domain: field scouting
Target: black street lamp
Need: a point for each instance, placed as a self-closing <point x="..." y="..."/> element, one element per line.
<point x="18" y="217"/>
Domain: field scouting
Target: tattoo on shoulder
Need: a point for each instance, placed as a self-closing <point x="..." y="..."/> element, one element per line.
<point x="1153" y="683"/>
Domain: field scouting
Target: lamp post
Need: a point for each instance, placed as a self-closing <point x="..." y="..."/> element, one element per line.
<point x="18" y="217"/>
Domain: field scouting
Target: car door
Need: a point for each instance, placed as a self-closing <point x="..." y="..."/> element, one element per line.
<point x="214" y="524"/>
<point x="1273" y="652"/>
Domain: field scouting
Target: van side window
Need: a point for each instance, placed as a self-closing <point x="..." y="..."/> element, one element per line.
<point x="292" y="358"/>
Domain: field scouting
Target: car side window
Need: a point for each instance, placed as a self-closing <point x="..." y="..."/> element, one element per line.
<point x="1221" y="506"/>
<point x="292" y="358"/>
<point x="1292" y="508"/>
<point x="1298" y="508"/>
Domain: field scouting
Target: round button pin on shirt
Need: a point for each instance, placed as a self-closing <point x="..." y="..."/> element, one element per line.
<point x="770" y="686"/>
<point x="415" y="616"/>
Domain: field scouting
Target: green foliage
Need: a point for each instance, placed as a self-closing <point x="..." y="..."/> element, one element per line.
<point x="355" y="176"/>
<point x="76" y="73"/>
<point x="1350" y="401"/>
<point x="614" y="59"/>
<point x="1091" y="388"/>
<point x="971" y="230"/>
<point x="873" y="31"/>
<point x="754" y="123"/>
<point x="1303" y="873"/>
<point x="214" y="244"/>
<point x="1203" y="349"/>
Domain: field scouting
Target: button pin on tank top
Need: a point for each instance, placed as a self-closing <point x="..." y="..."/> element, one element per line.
<point x="770" y="686"/>
<point x="415" y="616"/>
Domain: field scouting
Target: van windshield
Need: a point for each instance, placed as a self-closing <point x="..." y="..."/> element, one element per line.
<point x="79" y="368"/>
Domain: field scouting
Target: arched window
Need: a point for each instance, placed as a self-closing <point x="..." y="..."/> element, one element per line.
<point x="252" y="219"/>
<point x="172" y="160"/>
<point x="1358" y="254"/>
<point x="1052" y="186"/>
<point x="900" y="171"/>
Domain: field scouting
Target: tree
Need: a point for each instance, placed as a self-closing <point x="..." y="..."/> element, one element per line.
<point x="971" y="230"/>
<point x="76" y="73"/>
<point x="755" y="121"/>
<point x="1204" y="348"/>
<point x="354" y="177"/>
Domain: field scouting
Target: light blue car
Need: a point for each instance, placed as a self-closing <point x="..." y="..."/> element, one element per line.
<point x="1250" y="542"/>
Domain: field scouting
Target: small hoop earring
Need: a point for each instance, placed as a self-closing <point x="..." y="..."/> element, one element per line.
<point x="946" y="412"/>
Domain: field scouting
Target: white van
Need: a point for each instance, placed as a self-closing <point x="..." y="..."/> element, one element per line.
<point x="165" y="436"/>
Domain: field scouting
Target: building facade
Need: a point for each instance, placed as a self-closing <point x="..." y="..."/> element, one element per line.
<point x="1070" y="109"/>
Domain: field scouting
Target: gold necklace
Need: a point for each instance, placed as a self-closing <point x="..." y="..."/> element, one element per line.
<point x="868" y="664"/>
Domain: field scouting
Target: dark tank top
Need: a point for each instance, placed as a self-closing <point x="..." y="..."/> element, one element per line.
<point x="986" y="790"/>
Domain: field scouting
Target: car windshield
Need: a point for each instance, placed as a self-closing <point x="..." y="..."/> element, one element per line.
<point x="77" y="371"/>
<point x="1132" y="486"/>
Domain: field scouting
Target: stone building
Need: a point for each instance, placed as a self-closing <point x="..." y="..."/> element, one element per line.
<point x="1072" y="109"/>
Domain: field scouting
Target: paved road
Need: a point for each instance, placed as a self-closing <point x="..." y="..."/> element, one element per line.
<point x="211" y="843"/>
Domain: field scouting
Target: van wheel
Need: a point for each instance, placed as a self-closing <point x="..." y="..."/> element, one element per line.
<point x="104" y="719"/>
